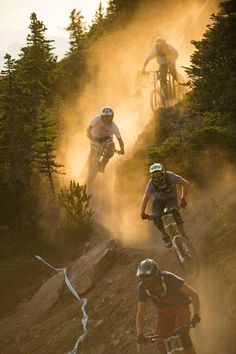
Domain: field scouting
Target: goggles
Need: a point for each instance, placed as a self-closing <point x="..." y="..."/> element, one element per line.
<point x="158" y="176"/>
<point x="147" y="279"/>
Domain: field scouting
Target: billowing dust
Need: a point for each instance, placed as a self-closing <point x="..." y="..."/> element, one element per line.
<point x="114" y="62"/>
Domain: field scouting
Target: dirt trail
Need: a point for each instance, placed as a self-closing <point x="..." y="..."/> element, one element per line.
<point x="112" y="307"/>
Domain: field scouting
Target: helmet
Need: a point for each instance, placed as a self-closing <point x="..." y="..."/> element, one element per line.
<point x="107" y="112"/>
<point x="160" y="41"/>
<point x="156" y="167"/>
<point x="158" y="179"/>
<point x="148" y="267"/>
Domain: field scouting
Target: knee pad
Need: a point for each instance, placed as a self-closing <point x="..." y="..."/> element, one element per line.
<point x="177" y="217"/>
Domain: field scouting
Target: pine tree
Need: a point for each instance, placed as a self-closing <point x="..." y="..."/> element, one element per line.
<point x="77" y="31"/>
<point x="119" y="11"/>
<point x="97" y="28"/>
<point x="76" y="202"/>
<point x="45" y="146"/>
<point x="36" y="70"/>
<point x="8" y="121"/>
<point x="213" y="70"/>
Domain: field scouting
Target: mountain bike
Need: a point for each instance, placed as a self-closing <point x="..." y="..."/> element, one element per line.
<point x="157" y="96"/>
<point x="169" y="343"/>
<point x="183" y="247"/>
<point x="99" y="148"/>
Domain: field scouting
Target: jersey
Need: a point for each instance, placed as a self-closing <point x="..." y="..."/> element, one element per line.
<point x="170" y="190"/>
<point x="102" y="130"/>
<point x="170" y="56"/>
<point x="173" y="294"/>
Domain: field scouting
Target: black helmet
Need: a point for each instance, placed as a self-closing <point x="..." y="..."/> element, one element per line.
<point x="148" y="267"/>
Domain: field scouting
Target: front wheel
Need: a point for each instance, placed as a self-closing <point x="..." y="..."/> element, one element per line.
<point x="156" y="100"/>
<point x="186" y="256"/>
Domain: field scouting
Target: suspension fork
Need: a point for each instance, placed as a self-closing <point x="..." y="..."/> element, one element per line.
<point x="170" y="225"/>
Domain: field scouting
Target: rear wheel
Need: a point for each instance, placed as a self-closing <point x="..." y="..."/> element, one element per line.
<point x="186" y="256"/>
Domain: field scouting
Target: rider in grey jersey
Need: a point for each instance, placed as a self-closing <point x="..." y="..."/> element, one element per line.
<point x="162" y="187"/>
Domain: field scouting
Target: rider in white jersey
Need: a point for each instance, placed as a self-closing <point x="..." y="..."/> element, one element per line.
<point x="101" y="129"/>
<point x="166" y="56"/>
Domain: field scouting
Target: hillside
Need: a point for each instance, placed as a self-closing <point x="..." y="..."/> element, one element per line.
<point x="48" y="208"/>
<point x="49" y="322"/>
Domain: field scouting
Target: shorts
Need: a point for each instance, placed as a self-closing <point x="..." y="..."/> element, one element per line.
<point x="169" y="319"/>
<point x="159" y="205"/>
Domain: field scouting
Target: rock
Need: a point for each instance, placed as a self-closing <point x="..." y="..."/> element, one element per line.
<point x="99" y="323"/>
<point x="116" y="342"/>
<point x="85" y="283"/>
<point x="94" y="264"/>
<point x="20" y="336"/>
<point x="45" y="297"/>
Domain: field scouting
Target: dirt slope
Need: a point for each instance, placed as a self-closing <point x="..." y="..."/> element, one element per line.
<point x="111" y="307"/>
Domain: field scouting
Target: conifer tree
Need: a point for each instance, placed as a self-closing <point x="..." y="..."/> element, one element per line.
<point x="97" y="28"/>
<point x="8" y="121"/>
<point x="213" y="71"/>
<point x="36" y="76"/>
<point x="45" y="146"/>
<point x="77" y="31"/>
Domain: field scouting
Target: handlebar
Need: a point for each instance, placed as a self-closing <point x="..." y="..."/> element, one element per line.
<point x="151" y="72"/>
<point x="175" y="332"/>
<point x="100" y="140"/>
<point x="165" y="212"/>
<point x="105" y="141"/>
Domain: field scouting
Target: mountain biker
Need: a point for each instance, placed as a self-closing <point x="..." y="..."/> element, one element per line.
<point x="171" y="297"/>
<point x="166" y="56"/>
<point x="101" y="129"/>
<point x="162" y="187"/>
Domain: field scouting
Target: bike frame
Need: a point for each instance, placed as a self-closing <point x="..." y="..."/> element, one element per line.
<point x="158" y="89"/>
<point x="170" y="224"/>
<point x="183" y="247"/>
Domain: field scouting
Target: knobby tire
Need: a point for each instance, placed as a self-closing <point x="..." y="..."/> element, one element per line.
<point x="189" y="261"/>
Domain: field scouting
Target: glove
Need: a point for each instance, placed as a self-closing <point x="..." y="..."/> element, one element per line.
<point x="195" y="320"/>
<point x="144" y="216"/>
<point x="141" y="339"/>
<point x="183" y="202"/>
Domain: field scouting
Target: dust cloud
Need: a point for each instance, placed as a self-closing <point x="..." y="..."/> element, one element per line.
<point x="113" y="64"/>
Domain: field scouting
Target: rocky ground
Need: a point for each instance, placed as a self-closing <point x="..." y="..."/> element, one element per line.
<point x="49" y="321"/>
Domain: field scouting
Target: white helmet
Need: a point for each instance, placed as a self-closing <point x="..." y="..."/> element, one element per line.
<point x="156" y="167"/>
<point x="148" y="267"/>
<point x="160" y="41"/>
<point x="107" y="111"/>
<point x="159" y="179"/>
